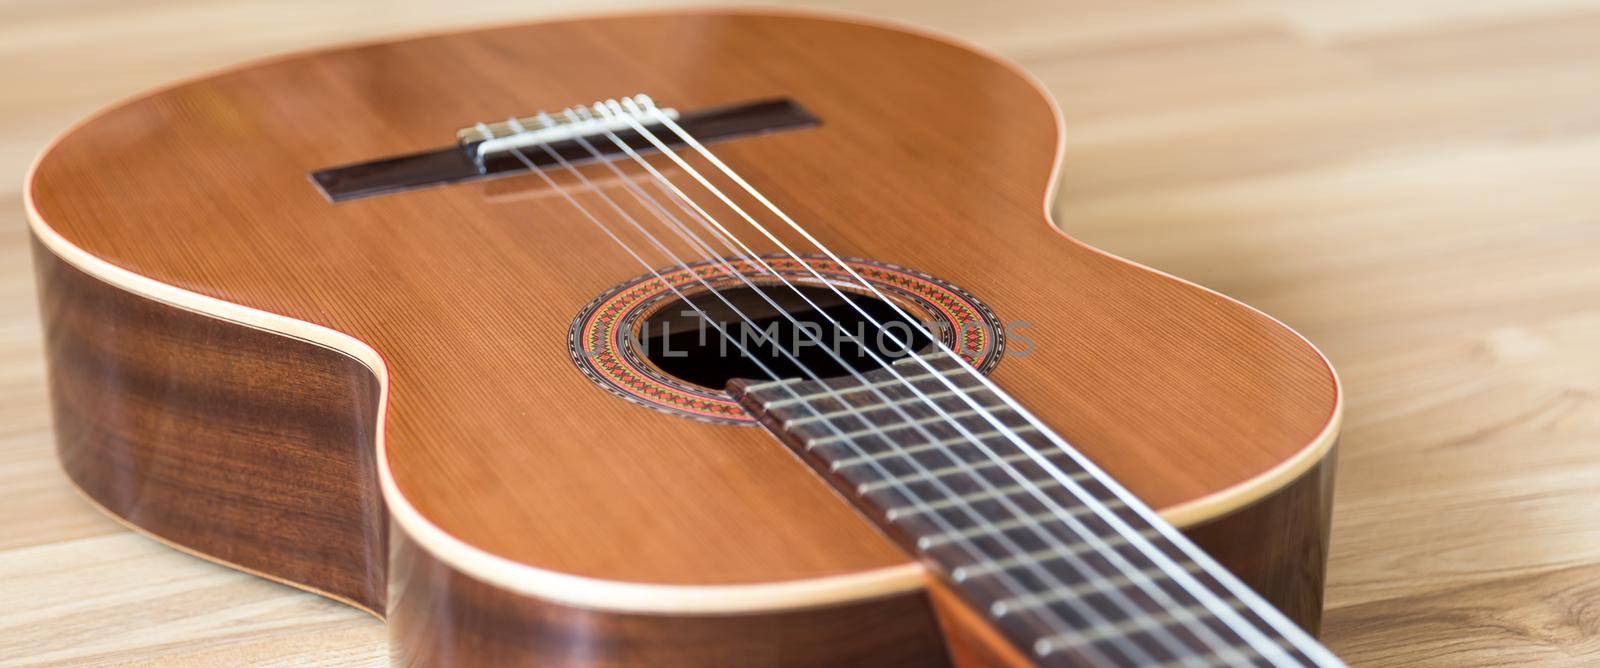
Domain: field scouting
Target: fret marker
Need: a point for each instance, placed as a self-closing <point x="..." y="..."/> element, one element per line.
<point x="1043" y="648"/>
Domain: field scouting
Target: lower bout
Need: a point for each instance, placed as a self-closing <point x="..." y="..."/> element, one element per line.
<point x="440" y="616"/>
<point x="192" y="445"/>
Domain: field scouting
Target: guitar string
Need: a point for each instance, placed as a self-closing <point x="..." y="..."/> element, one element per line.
<point x="680" y="205"/>
<point x="1242" y="628"/>
<point x="1173" y="644"/>
<point x="1207" y="636"/>
<point x="1268" y="614"/>
<point x="1094" y="615"/>
<point x="1162" y="634"/>
<point x="681" y="230"/>
<point x="1123" y="643"/>
<point x="869" y="287"/>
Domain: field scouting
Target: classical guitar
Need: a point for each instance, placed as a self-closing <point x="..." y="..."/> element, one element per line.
<point x="755" y="346"/>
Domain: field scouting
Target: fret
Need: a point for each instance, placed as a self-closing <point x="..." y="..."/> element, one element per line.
<point x="1025" y="534"/>
<point x="1006" y="606"/>
<point x="985" y="495"/>
<point x="836" y="393"/>
<point x="1166" y="617"/>
<point x="852" y="411"/>
<point x="879" y="430"/>
<point x="774" y="384"/>
<point x="932" y="446"/>
<point x="1222" y="656"/>
<point x="980" y="569"/>
<point x="1044" y="518"/>
<point x="924" y="476"/>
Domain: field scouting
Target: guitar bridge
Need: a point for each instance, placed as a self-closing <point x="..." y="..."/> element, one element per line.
<point x="490" y="150"/>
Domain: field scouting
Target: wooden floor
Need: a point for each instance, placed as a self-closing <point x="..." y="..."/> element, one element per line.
<point x="1414" y="184"/>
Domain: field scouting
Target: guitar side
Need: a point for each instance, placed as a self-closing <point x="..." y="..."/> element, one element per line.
<point x="256" y="450"/>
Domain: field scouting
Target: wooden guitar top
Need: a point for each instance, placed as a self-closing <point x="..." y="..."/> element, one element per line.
<point x="507" y="461"/>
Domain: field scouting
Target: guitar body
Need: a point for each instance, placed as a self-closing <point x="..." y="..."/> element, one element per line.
<point x="377" y="400"/>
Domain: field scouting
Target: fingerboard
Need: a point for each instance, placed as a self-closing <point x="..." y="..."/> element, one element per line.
<point x="1060" y="562"/>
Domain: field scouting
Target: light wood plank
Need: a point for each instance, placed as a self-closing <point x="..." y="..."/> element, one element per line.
<point x="1408" y="183"/>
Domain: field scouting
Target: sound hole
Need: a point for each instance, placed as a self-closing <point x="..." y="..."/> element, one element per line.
<point x="787" y="340"/>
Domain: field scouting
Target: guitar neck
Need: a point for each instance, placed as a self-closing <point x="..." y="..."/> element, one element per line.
<point x="1062" y="561"/>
